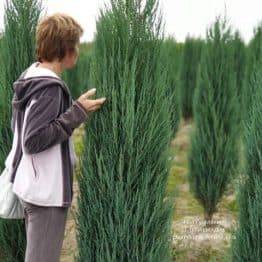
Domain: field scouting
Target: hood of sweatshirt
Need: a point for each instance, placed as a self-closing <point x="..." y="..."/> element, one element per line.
<point x="31" y="81"/>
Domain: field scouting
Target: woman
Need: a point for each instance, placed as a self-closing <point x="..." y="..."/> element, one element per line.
<point x="44" y="117"/>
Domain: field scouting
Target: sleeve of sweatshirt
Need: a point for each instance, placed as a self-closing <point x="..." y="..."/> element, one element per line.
<point x="44" y="127"/>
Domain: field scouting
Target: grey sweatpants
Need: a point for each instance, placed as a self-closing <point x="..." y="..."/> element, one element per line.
<point x="45" y="228"/>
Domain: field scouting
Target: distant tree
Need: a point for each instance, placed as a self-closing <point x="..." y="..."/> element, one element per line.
<point x="188" y="74"/>
<point x="171" y="59"/>
<point x="254" y="58"/>
<point x="240" y="61"/>
<point x="213" y="156"/>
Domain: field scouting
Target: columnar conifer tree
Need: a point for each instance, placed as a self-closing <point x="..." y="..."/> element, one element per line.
<point x="188" y="74"/>
<point x="123" y="214"/>
<point x="213" y="157"/>
<point x="2" y="101"/>
<point x="254" y="58"/>
<point x="240" y="60"/>
<point x="17" y="52"/>
<point x="171" y="59"/>
<point x="247" y="240"/>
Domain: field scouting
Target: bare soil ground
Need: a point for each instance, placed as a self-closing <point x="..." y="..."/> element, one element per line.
<point x="69" y="248"/>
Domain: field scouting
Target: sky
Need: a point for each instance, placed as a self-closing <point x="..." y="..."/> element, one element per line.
<point x="182" y="17"/>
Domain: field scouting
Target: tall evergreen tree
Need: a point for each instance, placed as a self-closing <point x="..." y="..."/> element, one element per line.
<point x="188" y="74"/>
<point x="240" y="60"/>
<point x="213" y="157"/>
<point x="2" y="103"/>
<point x="254" y="58"/>
<point x="247" y="244"/>
<point x="171" y="59"/>
<point x="21" y="17"/>
<point x="122" y="211"/>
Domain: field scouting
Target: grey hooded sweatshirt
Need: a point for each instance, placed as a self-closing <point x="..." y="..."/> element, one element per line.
<point x="42" y="158"/>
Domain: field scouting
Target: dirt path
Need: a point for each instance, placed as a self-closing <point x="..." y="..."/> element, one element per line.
<point x="69" y="245"/>
<point x="192" y="240"/>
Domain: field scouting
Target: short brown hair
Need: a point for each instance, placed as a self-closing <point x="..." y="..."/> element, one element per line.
<point x="55" y="35"/>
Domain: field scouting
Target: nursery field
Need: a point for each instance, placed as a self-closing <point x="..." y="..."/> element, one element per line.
<point x="192" y="242"/>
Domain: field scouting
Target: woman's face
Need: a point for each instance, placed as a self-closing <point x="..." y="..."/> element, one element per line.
<point x="71" y="58"/>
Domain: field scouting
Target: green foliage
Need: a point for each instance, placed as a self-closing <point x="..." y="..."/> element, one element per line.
<point x="240" y="61"/>
<point x="188" y="74"/>
<point x="171" y="58"/>
<point x="3" y="112"/>
<point x="213" y="158"/>
<point x="247" y="245"/>
<point x="254" y="58"/>
<point x="17" y="52"/>
<point x="123" y="214"/>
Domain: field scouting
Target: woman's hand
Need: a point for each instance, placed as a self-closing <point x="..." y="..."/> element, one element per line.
<point x="91" y="104"/>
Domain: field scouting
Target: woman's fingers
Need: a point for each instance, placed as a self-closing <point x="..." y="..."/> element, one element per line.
<point x="89" y="93"/>
<point x="91" y="104"/>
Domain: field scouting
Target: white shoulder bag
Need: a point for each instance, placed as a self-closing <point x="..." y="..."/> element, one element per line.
<point x="10" y="204"/>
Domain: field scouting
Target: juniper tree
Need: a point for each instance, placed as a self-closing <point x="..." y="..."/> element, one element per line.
<point x="247" y="238"/>
<point x="17" y="53"/>
<point x="254" y="58"/>
<point x="240" y="60"/>
<point x="171" y="59"/>
<point x="213" y="156"/>
<point x="188" y="74"/>
<point x="240" y="65"/>
<point x="2" y="103"/>
<point x="123" y="214"/>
